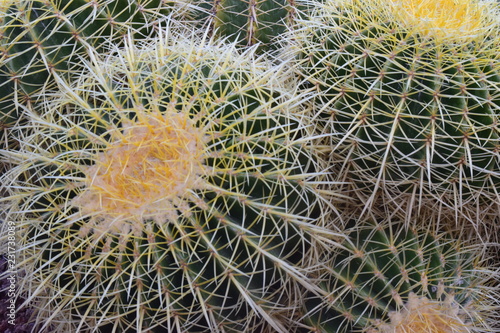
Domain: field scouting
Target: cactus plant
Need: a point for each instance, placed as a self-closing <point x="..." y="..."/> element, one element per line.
<point x="386" y="278"/>
<point x="168" y="189"/>
<point x="408" y="95"/>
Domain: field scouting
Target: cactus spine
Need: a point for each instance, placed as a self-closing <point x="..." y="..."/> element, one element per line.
<point x="392" y="280"/>
<point x="254" y="21"/>
<point x="408" y="93"/>
<point x="167" y="189"/>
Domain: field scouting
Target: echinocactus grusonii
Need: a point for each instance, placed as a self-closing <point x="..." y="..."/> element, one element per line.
<point x="169" y="188"/>
<point x="385" y="278"/>
<point x="408" y="92"/>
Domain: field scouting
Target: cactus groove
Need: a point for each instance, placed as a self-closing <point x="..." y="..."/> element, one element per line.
<point x="250" y="22"/>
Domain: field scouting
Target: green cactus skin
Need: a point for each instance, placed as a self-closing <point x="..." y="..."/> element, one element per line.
<point x="39" y="38"/>
<point x="410" y="110"/>
<point x="389" y="279"/>
<point x="168" y="189"/>
<point x="251" y="22"/>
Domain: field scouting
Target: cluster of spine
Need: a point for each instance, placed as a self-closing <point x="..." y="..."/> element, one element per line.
<point x="408" y="96"/>
<point x="387" y="279"/>
<point x="169" y="190"/>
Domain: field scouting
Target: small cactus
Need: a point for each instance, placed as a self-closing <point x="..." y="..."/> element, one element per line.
<point x="388" y="279"/>
<point x="408" y="95"/>
<point x="168" y="189"/>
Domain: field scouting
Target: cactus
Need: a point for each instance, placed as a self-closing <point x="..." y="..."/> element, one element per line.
<point x="168" y="189"/>
<point x="388" y="279"/>
<point x="407" y="92"/>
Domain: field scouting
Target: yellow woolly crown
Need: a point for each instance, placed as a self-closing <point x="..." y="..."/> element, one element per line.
<point x="148" y="168"/>
<point x="443" y="19"/>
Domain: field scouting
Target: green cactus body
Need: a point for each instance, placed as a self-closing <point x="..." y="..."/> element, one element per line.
<point x="39" y="38"/>
<point x="411" y="105"/>
<point x="254" y="22"/>
<point x="166" y="191"/>
<point x="387" y="279"/>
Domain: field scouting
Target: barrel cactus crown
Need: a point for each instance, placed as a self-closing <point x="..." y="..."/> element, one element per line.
<point x="168" y="189"/>
<point x="408" y="92"/>
<point x="387" y="279"/>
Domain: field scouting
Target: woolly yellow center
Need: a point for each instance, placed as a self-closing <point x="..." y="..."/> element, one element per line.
<point x="443" y="18"/>
<point x="144" y="173"/>
<point x="421" y="314"/>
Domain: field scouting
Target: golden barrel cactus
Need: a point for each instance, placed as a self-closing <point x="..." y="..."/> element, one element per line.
<point x="169" y="188"/>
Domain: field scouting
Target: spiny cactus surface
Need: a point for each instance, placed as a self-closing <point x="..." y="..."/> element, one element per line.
<point x="168" y="189"/>
<point x="251" y="22"/>
<point x="392" y="280"/>
<point x="254" y="21"/>
<point x="39" y="38"/>
<point x="409" y="95"/>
